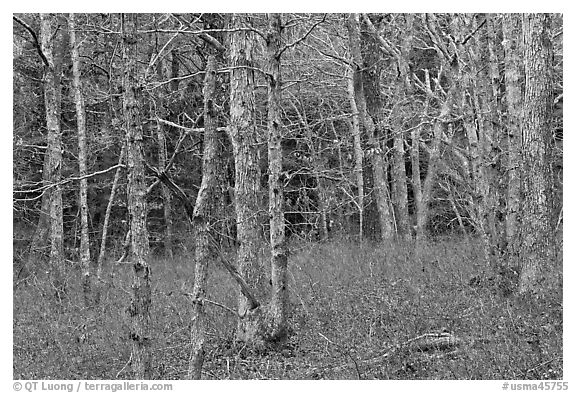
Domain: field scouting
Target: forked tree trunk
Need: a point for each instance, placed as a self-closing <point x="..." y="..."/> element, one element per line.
<point x="276" y="319"/>
<point x="247" y="173"/>
<point x="139" y="310"/>
<point x="536" y="235"/>
<point x="358" y="101"/>
<point x="52" y="100"/>
<point x="82" y="157"/>
<point x="204" y="221"/>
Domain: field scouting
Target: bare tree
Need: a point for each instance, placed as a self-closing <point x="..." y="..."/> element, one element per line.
<point x="536" y="236"/>
<point x="242" y="131"/>
<point x="82" y="153"/>
<point x="139" y="310"/>
<point x="52" y="101"/>
<point x="204" y="220"/>
<point x="279" y="261"/>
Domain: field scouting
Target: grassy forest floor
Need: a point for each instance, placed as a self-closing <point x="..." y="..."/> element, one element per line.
<point x="352" y="307"/>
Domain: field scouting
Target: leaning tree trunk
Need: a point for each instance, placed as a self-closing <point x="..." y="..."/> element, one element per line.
<point x="139" y="310"/>
<point x="82" y="157"/>
<point x="276" y="318"/>
<point x="205" y="219"/>
<point x="536" y="236"/>
<point x="247" y="172"/>
<point x="52" y="100"/>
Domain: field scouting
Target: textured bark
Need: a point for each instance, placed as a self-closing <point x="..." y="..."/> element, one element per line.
<point x="247" y="171"/>
<point x="536" y="236"/>
<point x="277" y="312"/>
<point x="139" y="310"/>
<point x="204" y="220"/>
<point x="52" y="100"/>
<point x="82" y="157"/>
<point x="511" y="27"/>
<point x="358" y="101"/>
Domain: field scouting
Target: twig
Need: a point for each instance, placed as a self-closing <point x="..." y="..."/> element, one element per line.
<point x="127" y="363"/>
<point x="347" y="352"/>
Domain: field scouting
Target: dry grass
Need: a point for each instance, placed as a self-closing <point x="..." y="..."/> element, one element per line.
<point x="353" y="309"/>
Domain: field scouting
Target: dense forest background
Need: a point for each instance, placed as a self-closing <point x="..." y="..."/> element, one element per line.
<point x="186" y="186"/>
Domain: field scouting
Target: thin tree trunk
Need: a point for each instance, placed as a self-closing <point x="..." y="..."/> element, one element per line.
<point x="166" y="196"/>
<point x="536" y="236"/>
<point x="139" y="310"/>
<point x="111" y="198"/>
<point x="277" y="313"/>
<point x="358" y="154"/>
<point x="82" y="157"/>
<point x="247" y="172"/>
<point x="204" y="220"/>
<point x="52" y="100"/>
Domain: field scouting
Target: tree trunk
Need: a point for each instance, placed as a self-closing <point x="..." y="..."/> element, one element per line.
<point x="111" y="198"/>
<point x="204" y="220"/>
<point x="404" y="91"/>
<point x="536" y="235"/>
<point x="139" y="310"/>
<point x="513" y="76"/>
<point x="247" y="172"/>
<point x="277" y="317"/>
<point x="82" y="157"/>
<point x="358" y="154"/>
<point x="358" y="99"/>
<point x="52" y="100"/>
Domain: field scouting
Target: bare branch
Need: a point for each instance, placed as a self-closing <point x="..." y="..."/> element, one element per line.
<point x="35" y="37"/>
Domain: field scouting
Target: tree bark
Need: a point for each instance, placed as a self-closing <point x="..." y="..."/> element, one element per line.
<point x="536" y="235"/>
<point x="82" y="157"/>
<point x="139" y="310"/>
<point x="404" y="90"/>
<point x="513" y="76"/>
<point x="247" y="172"/>
<point x="277" y="312"/>
<point x="52" y="102"/>
<point x="358" y="101"/>
<point x="204" y="220"/>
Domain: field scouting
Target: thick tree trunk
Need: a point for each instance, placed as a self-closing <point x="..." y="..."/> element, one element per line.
<point x="277" y="317"/>
<point x="139" y="310"/>
<point x="204" y="219"/>
<point x="513" y="76"/>
<point x="52" y="100"/>
<point x="82" y="157"/>
<point x="247" y="172"/>
<point x="536" y="235"/>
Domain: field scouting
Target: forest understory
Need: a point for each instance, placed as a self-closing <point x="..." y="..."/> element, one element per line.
<point x="355" y="312"/>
